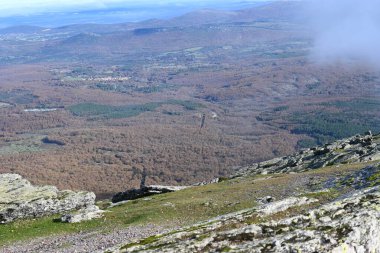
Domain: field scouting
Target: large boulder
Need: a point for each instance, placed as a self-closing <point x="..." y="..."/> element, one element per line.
<point x="19" y="199"/>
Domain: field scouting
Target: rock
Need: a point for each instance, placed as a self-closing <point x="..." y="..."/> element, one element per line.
<point x="213" y="181"/>
<point x="355" y="229"/>
<point x="283" y="205"/>
<point x="168" y="204"/>
<point x="322" y="151"/>
<point x="89" y="213"/>
<point x="163" y="189"/>
<point x="251" y="230"/>
<point x="266" y="200"/>
<point x="118" y="203"/>
<point x="366" y="177"/>
<point x="19" y="199"/>
<point x="351" y="150"/>
<point x="145" y="191"/>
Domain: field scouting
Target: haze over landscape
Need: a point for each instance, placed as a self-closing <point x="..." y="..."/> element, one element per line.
<point x="149" y="117"/>
<point x="53" y="13"/>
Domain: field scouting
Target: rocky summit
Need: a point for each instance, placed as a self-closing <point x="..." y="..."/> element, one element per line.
<point x="19" y="199"/>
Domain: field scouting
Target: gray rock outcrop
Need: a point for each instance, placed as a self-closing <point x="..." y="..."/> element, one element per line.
<point x="351" y="224"/>
<point x="19" y="199"/>
<point x="351" y="150"/>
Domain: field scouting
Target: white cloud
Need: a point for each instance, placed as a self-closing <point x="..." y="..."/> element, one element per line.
<point x="346" y="30"/>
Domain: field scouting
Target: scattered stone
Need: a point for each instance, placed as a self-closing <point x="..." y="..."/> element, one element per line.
<point x="84" y="242"/>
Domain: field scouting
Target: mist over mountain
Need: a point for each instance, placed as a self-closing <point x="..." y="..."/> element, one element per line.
<point x="345" y="30"/>
<point x="121" y="13"/>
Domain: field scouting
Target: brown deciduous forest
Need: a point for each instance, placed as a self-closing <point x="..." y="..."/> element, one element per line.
<point x="92" y="111"/>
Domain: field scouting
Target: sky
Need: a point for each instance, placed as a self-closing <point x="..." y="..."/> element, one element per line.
<point x="55" y="13"/>
<point x="30" y="7"/>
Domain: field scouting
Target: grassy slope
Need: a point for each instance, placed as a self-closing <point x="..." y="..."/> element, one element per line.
<point x="184" y="207"/>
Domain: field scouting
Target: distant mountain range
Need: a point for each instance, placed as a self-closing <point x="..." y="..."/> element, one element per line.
<point x="121" y="14"/>
<point x="264" y="11"/>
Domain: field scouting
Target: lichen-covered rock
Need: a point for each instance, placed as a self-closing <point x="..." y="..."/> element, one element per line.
<point x="351" y="150"/>
<point x="89" y="213"/>
<point x="351" y="224"/>
<point x="285" y="204"/>
<point x="19" y="199"/>
<point x="366" y="177"/>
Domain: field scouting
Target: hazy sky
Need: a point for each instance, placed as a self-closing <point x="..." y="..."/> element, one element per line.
<point x="27" y="7"/>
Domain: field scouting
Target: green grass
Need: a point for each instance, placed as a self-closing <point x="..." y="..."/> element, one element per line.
<point x="99" y="111"/>
<point x="375" y="179"/>
<point x="323" y="195"/>
<point x="184" y="207"/>
<point x="145" y="241"/>
<point x="27" y="229"/>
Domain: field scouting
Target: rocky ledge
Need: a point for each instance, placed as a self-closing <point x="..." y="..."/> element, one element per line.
<point x="19" y="199"/>
<point x="356" y="149"/>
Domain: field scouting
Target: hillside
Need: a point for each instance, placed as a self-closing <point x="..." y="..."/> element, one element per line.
<point x="320" y="199"/>
<point x="128" y="98"/>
